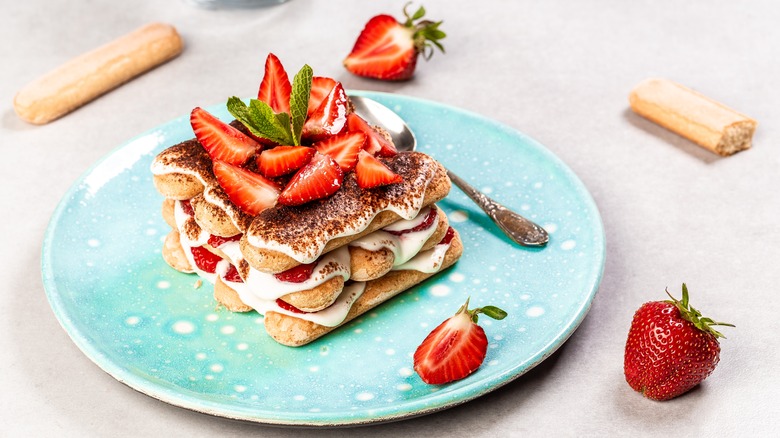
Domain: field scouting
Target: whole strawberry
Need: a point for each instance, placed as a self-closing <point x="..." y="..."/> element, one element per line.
<point x="456" y="348"/>
<point x="670" y="348"/>
<point x="388" y="50"/>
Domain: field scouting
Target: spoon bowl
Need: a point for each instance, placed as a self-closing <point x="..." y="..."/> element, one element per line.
<point x="515" y="226"/>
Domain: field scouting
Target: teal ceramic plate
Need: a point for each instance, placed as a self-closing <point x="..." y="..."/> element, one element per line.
<point x="152" y="329"/>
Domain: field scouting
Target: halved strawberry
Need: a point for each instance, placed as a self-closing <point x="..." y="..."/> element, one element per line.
<point x="387" y="49"/>
<point x="456" y="348"/>
<point x="320" y="88"/>
<point x="320" y="178"/>
<point x="250" y="191"/>
<point x="329" y="118"/>
<point x="370" y="172"/>
<point x="282" y="160"/>
<point x="275" y="87"/>
<point x="377" y="144"/>
<point x="222" y="141"/>
<point x="343" y="147"/>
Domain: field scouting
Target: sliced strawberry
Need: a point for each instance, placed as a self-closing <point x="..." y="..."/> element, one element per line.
<point x="427" y="222"/>
<point x="289" y="307"/>
<point x="232" y="275"/>
<point x="275" y="87"/>
<point x="222" y="141"/>
<point x="377" y="144"/>
<point x="282" y="160"/>
<point x="329" y="118"/>
<point x="371" y="172"/>
<point x="448" y="236"/>
<point x="387" y="49"/>
<point x="298" y="274"/>
<point x="320" y="88"/>
<point x="456" y="348"/>
<point x="343" y="147"/>
<point x="205" y="260"/>
<point x="186" y="207"/>
<point x="216" y="241"/>
<point x="320" y="178"/>
<point x="250" y="191"/>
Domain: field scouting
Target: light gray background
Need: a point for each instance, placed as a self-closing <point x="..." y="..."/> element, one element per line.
<point x="560" y="71"/>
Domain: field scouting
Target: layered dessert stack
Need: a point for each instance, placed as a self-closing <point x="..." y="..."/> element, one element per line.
<point x="301" y="210"/>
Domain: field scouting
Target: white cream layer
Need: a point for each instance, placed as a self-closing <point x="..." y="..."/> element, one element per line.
<point x="404" y="246"/>
<point x="261" y="290"/>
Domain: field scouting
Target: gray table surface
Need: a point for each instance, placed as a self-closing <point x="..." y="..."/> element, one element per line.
<point x="559" y="71"/>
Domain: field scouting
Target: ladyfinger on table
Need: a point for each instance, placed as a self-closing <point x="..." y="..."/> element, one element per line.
<point x="86" y="77"/>
<point x="692" y="115"/>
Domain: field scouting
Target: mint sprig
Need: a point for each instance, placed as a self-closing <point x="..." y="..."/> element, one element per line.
<point x="280" y="128"/>
<point x="299" y="101"/>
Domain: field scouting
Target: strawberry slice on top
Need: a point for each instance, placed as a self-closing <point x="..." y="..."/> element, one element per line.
<point x="320" y="89"/>
<point x="275" y="88"/>
<point x="343" y="147"/>
<point x="282" y="160"/>
<point x="320" y="178"/>
<point x="329" y="118"/>
<point x="250" y="191"/>
<point x="456" y="348"/>
<point x="388" y="50"/>
<point x="377" y="144"/>
<point x="222" y="141"/>
<point x="370" y="172"/>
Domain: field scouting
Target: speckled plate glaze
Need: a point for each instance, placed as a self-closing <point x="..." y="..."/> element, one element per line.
<point x="152" y="329"/>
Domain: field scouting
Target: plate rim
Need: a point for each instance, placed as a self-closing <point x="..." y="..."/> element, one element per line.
<point x="435" y="401"/>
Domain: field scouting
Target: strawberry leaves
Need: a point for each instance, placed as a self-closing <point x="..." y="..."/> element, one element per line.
<point x="280" y="128"/>
<point x="689" y="313"/>
<point x="426" y="33"/>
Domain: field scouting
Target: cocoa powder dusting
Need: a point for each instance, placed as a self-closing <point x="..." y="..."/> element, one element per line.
<point x="307" y="228"/>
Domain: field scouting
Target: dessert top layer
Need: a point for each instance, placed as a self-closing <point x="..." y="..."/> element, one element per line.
<point x="302" y="232"/>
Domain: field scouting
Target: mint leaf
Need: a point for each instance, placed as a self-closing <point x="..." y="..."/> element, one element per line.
<point x="269" y="125"/>
<point x="261" y="121"/>
<point x="240" y="111"/>
<point x="299" y="101"/>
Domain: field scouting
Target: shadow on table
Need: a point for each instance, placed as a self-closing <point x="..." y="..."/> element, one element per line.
<point x="670" y="137"/>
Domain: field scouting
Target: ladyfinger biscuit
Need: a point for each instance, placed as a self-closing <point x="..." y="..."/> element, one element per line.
<point x="88" y="76"/>
<point x="168" y="214"/>
<point x="294" y="332"/>
<point x="173" y="253"/>
<point x="190" y="164"/>
<point x="318" y="297"/>
<point x="692" y="115"/>
<point x="368" y="265"/>
<point x="319" y="227"/>
<point x="212" y="218"/>
<point x="226" y="296"/>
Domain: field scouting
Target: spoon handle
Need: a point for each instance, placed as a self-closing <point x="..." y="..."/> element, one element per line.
<point x="518" y="228"/>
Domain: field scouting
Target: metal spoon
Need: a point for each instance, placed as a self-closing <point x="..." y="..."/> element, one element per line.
<point x="518" y="228"/>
